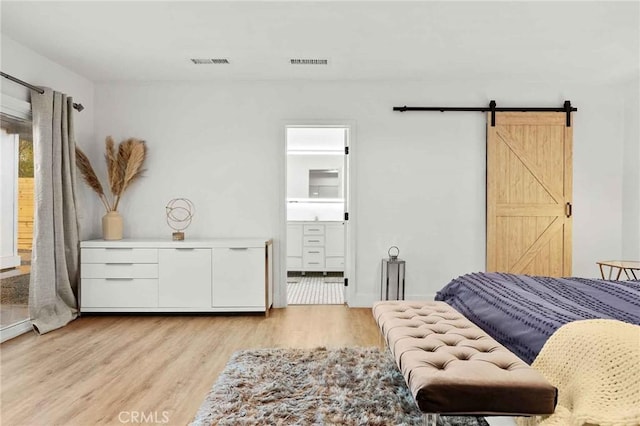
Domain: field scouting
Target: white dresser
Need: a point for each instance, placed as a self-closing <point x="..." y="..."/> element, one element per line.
<point x="140" y="275"/>
<point x="315" y="246"/>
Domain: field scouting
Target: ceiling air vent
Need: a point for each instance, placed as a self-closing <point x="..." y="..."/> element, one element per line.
<point x="309" y="61"/>
<point x="210" y="61"/>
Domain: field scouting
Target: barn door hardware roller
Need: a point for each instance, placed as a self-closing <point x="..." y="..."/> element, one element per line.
<point x="566" y="108"/>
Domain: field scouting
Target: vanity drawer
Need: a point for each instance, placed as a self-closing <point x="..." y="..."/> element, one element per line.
<point x="314" y="240"/>
<point x="313" y="264"/>
<point x="313" y="252"/>
<point x="119" y="270"/>
<point x="313" y="229"/>
<point x="313" y="257"/>
<point x="119" y="293"/>
<point x="119" y="255"/>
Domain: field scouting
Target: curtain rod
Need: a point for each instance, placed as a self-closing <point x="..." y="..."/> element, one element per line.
<point x="567" y="108"/>
<point x="78" y="107"/>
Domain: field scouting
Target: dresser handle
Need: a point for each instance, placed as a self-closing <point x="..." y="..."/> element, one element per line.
<point x="119" y="248"/>
<point x="314" y="263"/>
<point x="315" y="252"/>
<point x="313" y="229"/>
<point x="118" y="263"/>
<point x="314" y="241"/>
<point x="238" y="248"/>
<point x="185" y="248"/>
<point x="119" y="279"/>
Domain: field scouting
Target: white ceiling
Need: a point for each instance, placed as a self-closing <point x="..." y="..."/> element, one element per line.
<point x="416" y="40"/>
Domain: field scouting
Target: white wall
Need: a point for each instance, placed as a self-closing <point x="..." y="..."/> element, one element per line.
<point x="420" y="177"/>
<point x="29" y="66"/>
<point x="631" y="178"/>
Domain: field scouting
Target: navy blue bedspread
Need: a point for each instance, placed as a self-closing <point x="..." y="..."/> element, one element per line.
<point x="522" y="312"/>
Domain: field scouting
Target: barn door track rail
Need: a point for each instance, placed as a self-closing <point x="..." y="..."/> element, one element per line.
<point x="567" y="108"/>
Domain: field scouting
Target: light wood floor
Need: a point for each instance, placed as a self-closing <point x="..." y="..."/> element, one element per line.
<point x="96" y="367"/>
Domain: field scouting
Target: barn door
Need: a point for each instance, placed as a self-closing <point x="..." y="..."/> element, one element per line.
<point x="529" y="181"/>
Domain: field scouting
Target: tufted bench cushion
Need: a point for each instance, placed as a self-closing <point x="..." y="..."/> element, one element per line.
<point x="453" y="367"/>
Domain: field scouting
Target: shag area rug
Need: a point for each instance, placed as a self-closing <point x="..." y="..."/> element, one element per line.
<point x="349" y="386"/>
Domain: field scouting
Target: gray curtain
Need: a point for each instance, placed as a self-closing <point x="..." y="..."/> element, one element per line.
<point x="54" y="266"/>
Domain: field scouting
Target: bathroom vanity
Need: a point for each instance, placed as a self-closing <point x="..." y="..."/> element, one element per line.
<point x="315" y="246"/>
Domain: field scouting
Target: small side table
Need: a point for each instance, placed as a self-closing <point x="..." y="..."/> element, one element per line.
<point x="628" y="266"/>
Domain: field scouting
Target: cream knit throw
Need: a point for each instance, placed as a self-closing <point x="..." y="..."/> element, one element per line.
<point x="595" y="364"/>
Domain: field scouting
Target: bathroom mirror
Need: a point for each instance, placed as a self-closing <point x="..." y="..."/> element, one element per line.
<point x="324" y="183"/>
<point x="317" y="178"/>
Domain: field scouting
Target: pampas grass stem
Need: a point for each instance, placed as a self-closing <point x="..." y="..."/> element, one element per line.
<point x="90" y="177"/>
<point x="124" y="167"/>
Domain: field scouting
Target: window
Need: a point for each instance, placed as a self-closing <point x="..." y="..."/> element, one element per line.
<point x="16" y="219"/>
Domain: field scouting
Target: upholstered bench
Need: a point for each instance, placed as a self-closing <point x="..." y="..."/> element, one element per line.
<point x="453" y="367"/>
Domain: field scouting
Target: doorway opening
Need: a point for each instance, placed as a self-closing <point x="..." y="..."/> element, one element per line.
<point x="317" y="214"/>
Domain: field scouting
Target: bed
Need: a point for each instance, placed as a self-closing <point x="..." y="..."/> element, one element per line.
<point x="522" y="312"/>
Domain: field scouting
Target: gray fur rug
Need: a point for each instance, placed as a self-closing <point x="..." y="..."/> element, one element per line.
<point x="349" y="386"/>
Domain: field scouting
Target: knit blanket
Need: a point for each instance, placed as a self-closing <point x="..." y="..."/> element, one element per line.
<point x="595" y="366"/>
<point x="522" y="312"/>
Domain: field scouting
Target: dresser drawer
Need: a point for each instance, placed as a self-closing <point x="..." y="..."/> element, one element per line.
<point x="118" y="255"/>
<point x="314" y="240"/>
<point x="119" y="293"/>
<point x="334" y="262"/>
<point x="119" y="270"/>
<point x="313" y="229"/>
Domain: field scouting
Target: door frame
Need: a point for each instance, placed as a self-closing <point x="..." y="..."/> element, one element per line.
<point x="280" y="296"/>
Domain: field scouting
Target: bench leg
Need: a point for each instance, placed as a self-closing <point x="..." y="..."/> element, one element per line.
<point x="430" y="419"/>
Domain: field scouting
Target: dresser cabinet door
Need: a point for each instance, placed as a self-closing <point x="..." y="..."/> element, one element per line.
<point x="238" y="277"/>
<point x="184" y="278"/>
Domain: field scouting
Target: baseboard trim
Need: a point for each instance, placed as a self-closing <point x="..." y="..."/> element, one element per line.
<point x="366" y="300"/>
<point x="15" y="330"/>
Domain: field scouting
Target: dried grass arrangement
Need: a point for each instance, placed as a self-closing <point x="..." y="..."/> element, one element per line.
<point x="124" y="166"/>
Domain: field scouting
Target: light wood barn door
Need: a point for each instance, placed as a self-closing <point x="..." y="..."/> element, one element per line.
<point x="529" y="185"/>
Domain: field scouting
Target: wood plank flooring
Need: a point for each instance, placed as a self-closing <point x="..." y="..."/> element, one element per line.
<point x="97" y="367"/>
